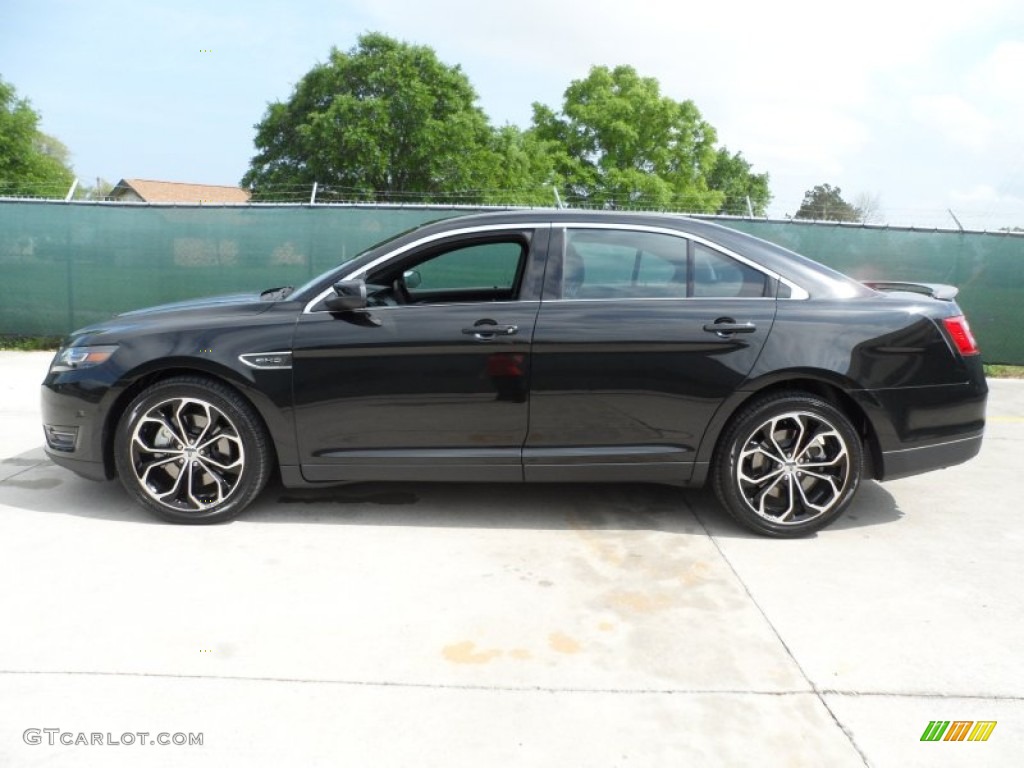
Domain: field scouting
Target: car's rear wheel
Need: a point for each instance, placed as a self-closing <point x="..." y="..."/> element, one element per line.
<point x="192" y="450"/>
<point x="788" y="464"/>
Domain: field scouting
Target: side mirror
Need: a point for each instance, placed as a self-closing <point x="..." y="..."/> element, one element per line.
<point x="412" y="278"/>
<point x="350" y="295"/>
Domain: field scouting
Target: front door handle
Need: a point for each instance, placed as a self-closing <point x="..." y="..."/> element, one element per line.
<point x="486" y="329"/>
<point x="726" y="326"/>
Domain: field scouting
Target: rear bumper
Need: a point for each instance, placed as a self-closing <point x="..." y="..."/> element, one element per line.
<point x="913" y="461"/>
<point x="919" y="429"/>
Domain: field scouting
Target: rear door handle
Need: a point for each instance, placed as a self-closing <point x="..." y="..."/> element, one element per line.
<point x="484" y="330"/>
<point x="727" y="327"/>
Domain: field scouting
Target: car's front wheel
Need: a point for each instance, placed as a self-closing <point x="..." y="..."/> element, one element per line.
<point x="192" y="450"/>
<point x="788" y="464"/>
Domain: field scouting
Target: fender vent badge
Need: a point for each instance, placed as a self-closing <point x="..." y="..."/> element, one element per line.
<point x="268" y="360"/>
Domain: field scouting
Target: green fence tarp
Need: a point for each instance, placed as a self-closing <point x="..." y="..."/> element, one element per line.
<point x="64" y="266"/>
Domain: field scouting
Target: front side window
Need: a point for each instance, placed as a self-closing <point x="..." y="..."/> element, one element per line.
<point x="483" y="266"/>
<point x="468" y="270"/>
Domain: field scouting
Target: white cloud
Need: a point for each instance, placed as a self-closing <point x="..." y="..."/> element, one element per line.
<point x="806" y="91"/>
<point x="999" y="76"/>
<point x="906" y="98"/>
<point x="983" y="194"/>
<point x="955" y="119"/>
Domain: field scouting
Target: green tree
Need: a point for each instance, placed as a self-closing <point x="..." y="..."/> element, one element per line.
<point x="825" y="203"/>
<point x="521" y="169"/>
<point x="31" y="162"/>
<point x="384" y="119"/>
<point x="732" y="176"/>
<point x="618" y="141"/>
<point x="100" y="191"/>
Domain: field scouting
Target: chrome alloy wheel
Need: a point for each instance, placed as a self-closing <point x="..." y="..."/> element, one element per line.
<point x="187" y="454"/>
<point x="793" y="468"/>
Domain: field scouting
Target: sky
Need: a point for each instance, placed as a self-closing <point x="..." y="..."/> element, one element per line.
<point x="915" y="106"/>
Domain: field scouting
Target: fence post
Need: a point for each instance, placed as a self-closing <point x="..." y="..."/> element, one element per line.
<point x="958" y="224"/>
<point x="558" y="198"/>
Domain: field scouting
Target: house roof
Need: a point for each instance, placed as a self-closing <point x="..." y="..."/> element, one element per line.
<point x="180" y="192"/>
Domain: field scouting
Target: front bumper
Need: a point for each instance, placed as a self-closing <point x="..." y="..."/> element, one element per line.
<point x="73" y="427"/>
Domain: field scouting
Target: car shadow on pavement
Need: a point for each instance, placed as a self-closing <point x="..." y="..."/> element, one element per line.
<point x="30" y="481"/>
<point x="873" y="505"/>
<point x="616" y="506"/>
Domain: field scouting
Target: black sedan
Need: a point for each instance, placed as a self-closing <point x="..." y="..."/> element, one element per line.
<point x="531" y="346"/>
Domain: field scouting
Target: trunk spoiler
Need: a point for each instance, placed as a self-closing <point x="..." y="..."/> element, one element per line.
<point x="934" y="290"/>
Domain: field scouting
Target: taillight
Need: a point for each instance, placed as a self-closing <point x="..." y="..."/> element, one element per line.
<point x="961" y="334"/>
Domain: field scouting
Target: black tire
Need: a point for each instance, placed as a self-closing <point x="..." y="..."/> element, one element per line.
<point x="192" y="450"/>
<point x="788" y="464"/>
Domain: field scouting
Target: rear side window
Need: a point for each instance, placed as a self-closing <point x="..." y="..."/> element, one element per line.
<point x="716" y="275"/>
<point x="626" y="264"/>
<point x="608" y="263"/>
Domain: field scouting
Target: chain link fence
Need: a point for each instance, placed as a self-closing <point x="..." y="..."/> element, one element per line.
<point x="66" y="265"/>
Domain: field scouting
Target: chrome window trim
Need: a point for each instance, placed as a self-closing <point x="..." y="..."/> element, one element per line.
<point x="503" y="302"/>
<point x="308" y="310"/>
<point x="798" y="293"/>
<point x="659" y="298"/>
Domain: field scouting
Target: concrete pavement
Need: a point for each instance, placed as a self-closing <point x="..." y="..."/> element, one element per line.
<point x="427" y="625"/>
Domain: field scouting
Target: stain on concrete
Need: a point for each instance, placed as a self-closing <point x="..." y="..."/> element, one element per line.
<point x="695" y="573"/>
<point x="638" y="602"/>
<point x="563" y="643"/>
<point x="603" y="544"/>
<point x="466" y="653"/>
<point x="520" y="654"/>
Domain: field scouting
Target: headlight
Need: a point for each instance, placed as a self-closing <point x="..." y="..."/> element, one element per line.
<point x="75" y="358"/>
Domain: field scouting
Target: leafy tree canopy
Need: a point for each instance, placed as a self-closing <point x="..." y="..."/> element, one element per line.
<point x="31" y="162"/>
<point x="385" y="117"/>
<point x="825" y="203"/>
<point x="387" y="120"/>
<point x="732" y="176"/>
<point x="521" y="169"/>
<point x="619" y="141"/>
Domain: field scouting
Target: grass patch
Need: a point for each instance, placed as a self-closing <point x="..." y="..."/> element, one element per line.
<point x="1005" y="371"/>
<point x="29" y="343"/>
